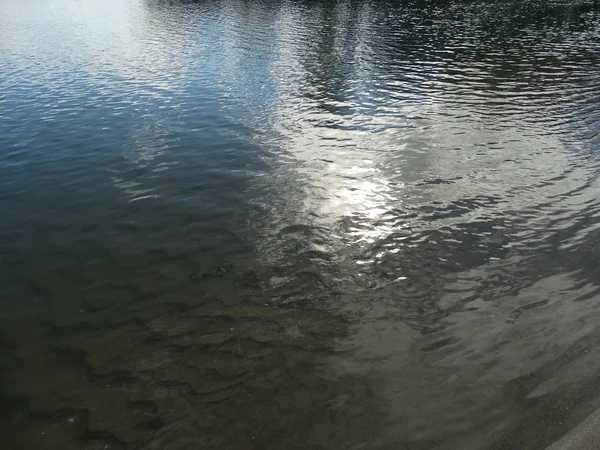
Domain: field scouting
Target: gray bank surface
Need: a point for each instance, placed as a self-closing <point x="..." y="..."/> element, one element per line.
<point x="585" y="436"/>
<point x="255" y="224"/>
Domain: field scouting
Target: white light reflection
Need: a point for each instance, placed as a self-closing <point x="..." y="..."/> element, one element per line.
<point x="371" y="153"/>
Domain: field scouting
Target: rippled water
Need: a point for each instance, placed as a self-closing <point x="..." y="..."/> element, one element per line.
<point x="298" y="224"/>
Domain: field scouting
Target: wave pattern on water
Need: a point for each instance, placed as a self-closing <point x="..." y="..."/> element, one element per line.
<point x="277" y="224"/>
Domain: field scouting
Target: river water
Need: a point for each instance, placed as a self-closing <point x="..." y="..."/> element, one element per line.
<point x="253" y="224"/>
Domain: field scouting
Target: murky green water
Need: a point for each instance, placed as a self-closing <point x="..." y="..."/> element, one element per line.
<point x="298" y="224"/>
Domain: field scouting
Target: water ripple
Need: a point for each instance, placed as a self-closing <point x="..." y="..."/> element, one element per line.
<point x="347" y="220"/>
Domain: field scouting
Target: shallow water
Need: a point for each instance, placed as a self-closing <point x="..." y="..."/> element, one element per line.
<point x="298" y="224"/>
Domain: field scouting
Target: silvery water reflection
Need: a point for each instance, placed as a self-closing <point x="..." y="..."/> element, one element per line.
<point x="261" y="224"/>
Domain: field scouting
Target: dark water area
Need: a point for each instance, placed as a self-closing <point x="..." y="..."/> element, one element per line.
<point x="298" y="224"/>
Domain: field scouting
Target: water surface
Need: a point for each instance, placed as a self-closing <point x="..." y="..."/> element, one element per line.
<point x="298" y="224"/>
